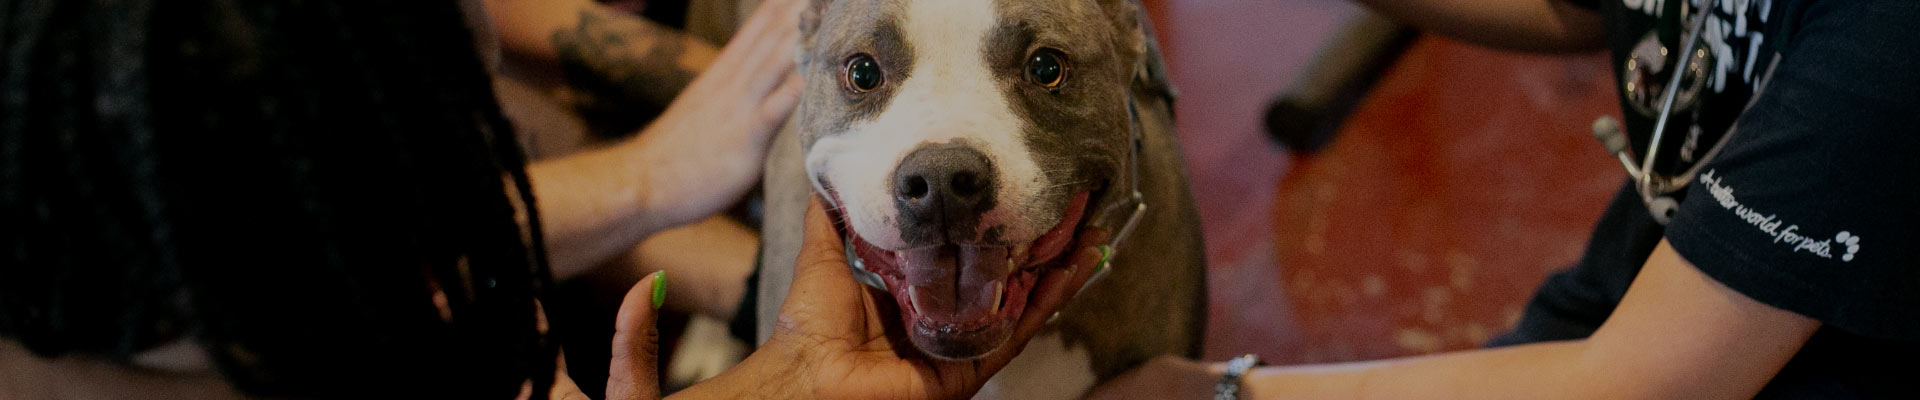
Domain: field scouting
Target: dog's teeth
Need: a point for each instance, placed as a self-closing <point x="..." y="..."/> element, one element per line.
<point x="999" y="287"/>
<point x="1012" y="266"/>
<point x="1020" y="250"/>
<point x="913" y="296"/>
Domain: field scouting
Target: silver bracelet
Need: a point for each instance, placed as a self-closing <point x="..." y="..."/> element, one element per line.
<point x="1229" y="386"/>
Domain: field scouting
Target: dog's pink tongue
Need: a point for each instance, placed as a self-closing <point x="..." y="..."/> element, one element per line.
<point x="955" y="284"/>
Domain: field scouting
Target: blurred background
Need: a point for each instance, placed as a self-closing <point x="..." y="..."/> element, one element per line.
<point x="1459" y="179"/>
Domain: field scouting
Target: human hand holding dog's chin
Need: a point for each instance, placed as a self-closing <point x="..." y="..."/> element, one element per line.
<point x="831" y="341"/>
<point x="836" y="328"/>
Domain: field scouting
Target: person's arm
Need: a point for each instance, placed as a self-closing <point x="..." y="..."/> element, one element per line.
<point x="1525" y="25"/>
<point x="709" y="260"/>
<point x="714" y="256"/>
<point x="701" y="155"/>
<point x="616" y="56"/>
<point x="1676" y="335"/>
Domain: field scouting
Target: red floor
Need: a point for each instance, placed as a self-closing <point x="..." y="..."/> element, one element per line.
<point x="1464" y="178"/>
<point x="1227" y="59"/>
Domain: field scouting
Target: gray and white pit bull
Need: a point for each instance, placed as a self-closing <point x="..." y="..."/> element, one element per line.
<point x="962" y="144"/>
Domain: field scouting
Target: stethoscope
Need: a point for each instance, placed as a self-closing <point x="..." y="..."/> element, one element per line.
<point x="1657" y="189"/>
<point x="1133" y="208"/>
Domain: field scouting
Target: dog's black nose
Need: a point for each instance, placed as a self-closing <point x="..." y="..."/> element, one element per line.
<point x="943" y="188"/>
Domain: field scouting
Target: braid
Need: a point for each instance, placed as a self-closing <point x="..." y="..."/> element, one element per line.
<point x="285" y="182"/>
<point x="81" y="91"/>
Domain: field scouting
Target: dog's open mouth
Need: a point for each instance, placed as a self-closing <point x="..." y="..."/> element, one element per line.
<point x="962" y="301"/>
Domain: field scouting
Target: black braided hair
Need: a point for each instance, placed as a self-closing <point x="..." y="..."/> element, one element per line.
<point x="285" y="182"/>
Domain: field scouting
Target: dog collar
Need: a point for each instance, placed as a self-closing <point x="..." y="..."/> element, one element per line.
<point x="1134" y="207"/>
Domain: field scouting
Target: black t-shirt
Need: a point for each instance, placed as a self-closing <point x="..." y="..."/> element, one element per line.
<point x="1811" y="206"/>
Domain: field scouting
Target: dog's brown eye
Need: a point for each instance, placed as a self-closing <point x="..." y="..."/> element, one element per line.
<point x="1047" y="68"/>
<point x="862" y="74"/>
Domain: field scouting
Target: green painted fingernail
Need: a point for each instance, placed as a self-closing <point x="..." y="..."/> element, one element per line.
<point x="1106" y="254"/>
<point x="659" y="289"/>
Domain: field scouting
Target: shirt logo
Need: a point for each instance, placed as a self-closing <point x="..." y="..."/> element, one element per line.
<point x="1770" y="224"/>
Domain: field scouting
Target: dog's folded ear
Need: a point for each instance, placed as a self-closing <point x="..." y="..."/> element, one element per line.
<point x="1126" y="17"/>
<point x="1136" y="44"/>
<point x="810" y="18"/>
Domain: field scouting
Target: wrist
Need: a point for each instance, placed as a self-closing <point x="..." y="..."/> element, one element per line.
<point x="652" y="194"/>
<point x="776" y="370"/>
<point x="1232" y="380"/>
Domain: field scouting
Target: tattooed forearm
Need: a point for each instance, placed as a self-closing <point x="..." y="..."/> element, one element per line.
<point x="624" y="69"/>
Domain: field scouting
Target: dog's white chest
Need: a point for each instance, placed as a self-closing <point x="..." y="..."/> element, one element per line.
<point x="1048" y="369"/>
